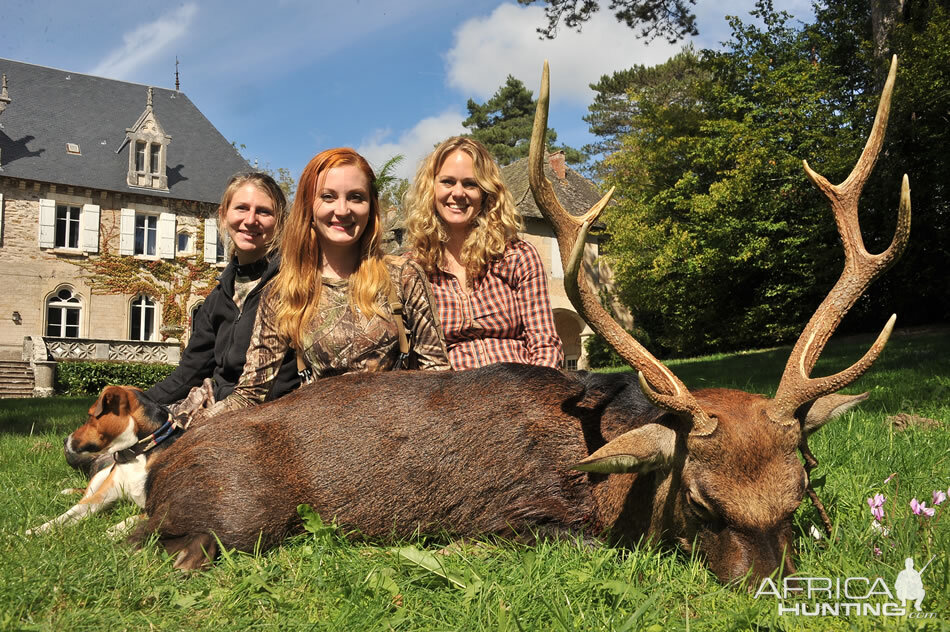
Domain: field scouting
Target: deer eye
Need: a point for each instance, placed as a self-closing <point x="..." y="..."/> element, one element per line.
<point x="699" y="508"/>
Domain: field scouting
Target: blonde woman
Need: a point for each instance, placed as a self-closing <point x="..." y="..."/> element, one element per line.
<point x="489" y="286"/>
<point x="333" y="300"/>
<point x="251" y="213"/>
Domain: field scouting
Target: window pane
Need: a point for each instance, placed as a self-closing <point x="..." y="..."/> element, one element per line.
<point x="67" y="227"/>
<point x="71" y="330"/>
<point x="140" y="156"/>
<point x="152" y="232"/>
<point x="148" y="325"/>
<point x="61" y="221"/>
<point x="146" y="234"/>
<point x="139" y="234"/>
<point x="156" y="151"/>
<point x="73" y="228"/>
<point x="54" y="321"/>
<point x="142" y="317"/>
<point x="135" y="331"/>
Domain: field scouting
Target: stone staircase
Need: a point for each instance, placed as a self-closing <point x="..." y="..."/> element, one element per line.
<point x="16" y="379"/>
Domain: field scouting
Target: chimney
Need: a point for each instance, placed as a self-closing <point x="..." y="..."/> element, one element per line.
<point x="557" y="162"/>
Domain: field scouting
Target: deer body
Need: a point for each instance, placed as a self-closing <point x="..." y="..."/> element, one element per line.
<point x="479" y="452"/>
<point x="486" y="451"/>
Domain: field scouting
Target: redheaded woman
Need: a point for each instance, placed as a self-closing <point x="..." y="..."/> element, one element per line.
<point x="335" y="296"/>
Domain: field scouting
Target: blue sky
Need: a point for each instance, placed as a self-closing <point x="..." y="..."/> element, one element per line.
<point x="289" y="78"/>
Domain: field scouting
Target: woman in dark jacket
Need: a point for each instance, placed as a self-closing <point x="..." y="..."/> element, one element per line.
<point x="251" y="212"/>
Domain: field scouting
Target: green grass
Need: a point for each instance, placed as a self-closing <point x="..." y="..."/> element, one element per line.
<point x="77" y="579"/>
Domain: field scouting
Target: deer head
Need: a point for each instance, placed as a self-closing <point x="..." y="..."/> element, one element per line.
<point x="727" y="473"/>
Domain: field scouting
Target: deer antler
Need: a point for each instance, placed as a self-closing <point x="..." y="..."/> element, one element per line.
<point x="571" y="234"/>
<point x="860" y="269"/>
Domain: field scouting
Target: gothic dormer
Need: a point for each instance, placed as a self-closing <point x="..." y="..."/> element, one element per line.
<point x="148" y="147"/>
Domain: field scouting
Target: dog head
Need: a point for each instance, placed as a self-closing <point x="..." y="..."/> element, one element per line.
<point x="117" y="420"/>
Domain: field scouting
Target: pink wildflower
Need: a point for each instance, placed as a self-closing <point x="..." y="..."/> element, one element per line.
<point x="888" y="479"/>
<point x="877" y="552"/>
<point x="920" y="508"/>
<point x="939" y="496"/>
<point x="877" y="506"/>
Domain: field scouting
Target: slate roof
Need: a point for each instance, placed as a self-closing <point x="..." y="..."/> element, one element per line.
<point x="49" y="108"/>
<point x="575" y="192"/>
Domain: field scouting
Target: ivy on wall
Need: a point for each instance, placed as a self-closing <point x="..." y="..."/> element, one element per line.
<point x="172" y="282"/>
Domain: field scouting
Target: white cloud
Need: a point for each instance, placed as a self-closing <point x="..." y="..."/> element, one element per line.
<point x="488" y="49"/>
<point x="415" y="144"/>
<point x="145" y="43"/>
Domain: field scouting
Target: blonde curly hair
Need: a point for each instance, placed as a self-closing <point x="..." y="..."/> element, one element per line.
<point x="493" y="228"/>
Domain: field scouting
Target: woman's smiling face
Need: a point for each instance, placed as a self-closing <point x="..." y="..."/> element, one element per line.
<point x="251" y="221"/>
<point x="341" y="207"/>
<point x="458" y="198"/>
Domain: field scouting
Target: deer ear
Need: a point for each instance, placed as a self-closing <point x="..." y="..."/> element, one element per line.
<point x="826" y="408"/>
<point x="647" y="448"/>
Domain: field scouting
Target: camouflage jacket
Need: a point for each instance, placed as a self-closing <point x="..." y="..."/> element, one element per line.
<point x="341" y="339"/>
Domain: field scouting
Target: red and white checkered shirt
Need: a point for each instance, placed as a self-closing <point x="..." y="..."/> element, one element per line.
<point x="507" y="318"/>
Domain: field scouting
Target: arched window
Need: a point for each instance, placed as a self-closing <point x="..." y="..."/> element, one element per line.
<point x="186" y="244"/>
<point x="142" y="319"/>
<point x="62" y="314"/>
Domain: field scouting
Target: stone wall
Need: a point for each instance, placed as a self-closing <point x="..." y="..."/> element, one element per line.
<point x="29" y="274"/>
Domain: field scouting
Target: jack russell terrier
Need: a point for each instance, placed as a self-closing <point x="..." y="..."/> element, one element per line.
<point x="122" y="433"/>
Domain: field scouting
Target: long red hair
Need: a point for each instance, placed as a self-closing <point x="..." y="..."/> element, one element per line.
<point x="298" y="284"/>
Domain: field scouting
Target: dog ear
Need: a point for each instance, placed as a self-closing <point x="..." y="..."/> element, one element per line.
<point x="114" y="399"/>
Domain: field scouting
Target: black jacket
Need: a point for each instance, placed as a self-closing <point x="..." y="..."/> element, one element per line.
<point x="219" y="339"/>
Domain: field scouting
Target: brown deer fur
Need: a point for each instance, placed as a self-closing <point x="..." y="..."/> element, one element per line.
<point x="477" y="452"/>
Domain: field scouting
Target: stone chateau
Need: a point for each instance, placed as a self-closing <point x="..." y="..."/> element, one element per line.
<point x="108" y="192"/>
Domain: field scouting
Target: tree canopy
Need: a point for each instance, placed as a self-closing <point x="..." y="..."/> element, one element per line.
<point x="503" y="124"/>
<point x="670" y="19"/>
<point x="719" y="241"/>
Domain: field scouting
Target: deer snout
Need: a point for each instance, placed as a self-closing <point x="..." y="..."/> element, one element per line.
<point x="735" y="555"/>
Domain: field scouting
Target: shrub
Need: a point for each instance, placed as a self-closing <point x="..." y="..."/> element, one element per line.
<point x="89" y="378"/>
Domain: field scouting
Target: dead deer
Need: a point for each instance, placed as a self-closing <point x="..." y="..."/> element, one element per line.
<point x="520" y="450"/>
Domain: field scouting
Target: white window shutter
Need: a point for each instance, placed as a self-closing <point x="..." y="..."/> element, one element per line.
<point x="211" y="240"/>
<point x="90" y="228"/>
<point x="47" y="223"/>
<point x="166" y="235"/>
<point x="127" y="232"/>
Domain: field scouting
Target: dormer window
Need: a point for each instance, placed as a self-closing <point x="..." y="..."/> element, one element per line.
<point x="140" y="156"/>
<point x="148" y="144"/>
<point x="155" y="158"/>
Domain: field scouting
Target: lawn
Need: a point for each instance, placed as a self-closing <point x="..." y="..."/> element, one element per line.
<point x="76" y="578"/>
